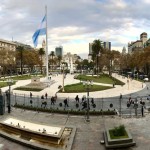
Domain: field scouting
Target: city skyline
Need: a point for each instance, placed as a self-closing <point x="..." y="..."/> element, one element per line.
<point x="74" y="27"/>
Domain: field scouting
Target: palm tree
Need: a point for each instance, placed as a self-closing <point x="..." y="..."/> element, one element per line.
<point x="41" y="53"/>
<point x="52" y="54"/>
<point x="59" y="59"/>
<point x="20" y="50"/>
<point x="96" y="50"/>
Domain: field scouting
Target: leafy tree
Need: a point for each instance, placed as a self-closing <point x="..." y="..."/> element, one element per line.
<point x="20" y="50"/>
<point x="96" y="49"/>
<point x="31" y="58"/>
<point x="41" y="52"/>
<point x="52" y="54"/>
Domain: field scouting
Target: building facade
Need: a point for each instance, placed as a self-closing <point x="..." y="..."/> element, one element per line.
<point x="137" y="45"/>
<point x="7" y="45"/>
<point x="70" y="59"/>
<point x="59" y="51"/>
<point x="107" y="45"/>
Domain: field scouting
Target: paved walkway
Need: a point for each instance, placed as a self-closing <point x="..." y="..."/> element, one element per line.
<point x="131" y="87"/>
<point x="88" y="135"/>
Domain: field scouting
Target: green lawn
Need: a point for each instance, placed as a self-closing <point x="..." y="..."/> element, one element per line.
<point x="23" y="77"/>
<point x="79" y="88"/>
<point x="3" y="84"/>
<point x="100" y="79"/>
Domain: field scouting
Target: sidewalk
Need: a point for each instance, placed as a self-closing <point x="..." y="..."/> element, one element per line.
<point x="130" y="87"/>
<point x="88" y="135"/>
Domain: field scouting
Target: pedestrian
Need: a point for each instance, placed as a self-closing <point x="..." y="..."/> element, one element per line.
<point x="83" y="98"/>
<point x="30" y="95"/>
<point x="66" y="102"/>
<point x="43" y="101"/>
<point x="120" y="96"/>
<point x="92" y="101"/>
<point x="84" y="105"/>
<point x="77" y="99"/>
<point x="52" y="101"/>
<point x="46" y="95"/>
<point x="142" y="111"/>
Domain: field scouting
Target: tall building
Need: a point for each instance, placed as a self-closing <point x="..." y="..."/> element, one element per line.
<point x="90" y="48"/>
<point x="137" y="45"/>
<point x="124" y="50"/>
<point x="59" y="51"/>
<point x="107" y="45"/>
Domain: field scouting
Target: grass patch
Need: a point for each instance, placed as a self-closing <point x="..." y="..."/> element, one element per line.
<point x="23" y="77"/>
<point x="3" y="84"/>
<point x="28" y="89"/>
<point x="104" y="78"/>
<point x="79" y="88"/>
<point x="118" y="132"/>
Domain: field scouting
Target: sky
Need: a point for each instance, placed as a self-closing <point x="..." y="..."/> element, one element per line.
<point x="75" y="24"/>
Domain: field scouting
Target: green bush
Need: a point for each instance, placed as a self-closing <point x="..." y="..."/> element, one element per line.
<point x="119" y="131"/>
<point x="28" y="89"/>
<point x="75" y="112"/>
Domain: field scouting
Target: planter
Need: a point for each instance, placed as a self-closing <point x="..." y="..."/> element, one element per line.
<point x="118" y="143"/>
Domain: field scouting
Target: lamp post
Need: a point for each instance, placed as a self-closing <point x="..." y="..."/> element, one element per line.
<point x="63" y="66"/>
<point x="128" y="82"/>
<point x="88" y="85"/>
<point x="97" y="62"/>
<point x="9" y="82"/>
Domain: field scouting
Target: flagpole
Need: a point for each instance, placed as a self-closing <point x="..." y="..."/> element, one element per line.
<point x="46" y="45"/>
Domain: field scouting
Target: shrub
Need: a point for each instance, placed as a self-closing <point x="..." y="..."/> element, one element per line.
<point x="119" y="131"/>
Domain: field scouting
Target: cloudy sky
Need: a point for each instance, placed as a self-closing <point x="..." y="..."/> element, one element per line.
<point x="74" y="23"/>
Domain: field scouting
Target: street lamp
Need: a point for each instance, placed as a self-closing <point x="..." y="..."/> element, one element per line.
<point x="9" y="82"/>
<point x="88" y="85"/>
<point x="63" y="66"/>
<point x="128" y="82"/>
<point x="97" y="62"/>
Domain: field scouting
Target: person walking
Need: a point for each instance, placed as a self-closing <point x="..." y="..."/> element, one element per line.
<point x="52" y="100"/>
<point x="66" y="102"/>
<point x="142" y="111"/>
<point x="77" y="99"/>
<point x="30" y="95"/>
<point x="84" y="105"/>
<point x="46" y="95"/>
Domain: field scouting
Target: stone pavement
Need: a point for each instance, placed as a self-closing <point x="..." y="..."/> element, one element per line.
<point x="88" y="135"/>
<point x="131" y="87"/>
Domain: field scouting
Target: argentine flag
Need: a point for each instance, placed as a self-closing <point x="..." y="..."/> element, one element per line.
<point x="40" y="31"/>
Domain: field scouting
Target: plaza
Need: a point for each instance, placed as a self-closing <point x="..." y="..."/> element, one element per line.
<point x="88" y="134"/>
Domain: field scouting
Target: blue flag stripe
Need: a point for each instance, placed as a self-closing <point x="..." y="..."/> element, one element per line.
<point x="38" y="32"/>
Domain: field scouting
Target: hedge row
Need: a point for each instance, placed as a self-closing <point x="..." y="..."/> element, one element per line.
<point x="75" y="112"/>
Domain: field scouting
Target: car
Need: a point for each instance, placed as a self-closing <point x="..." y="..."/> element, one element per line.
<point x="145" y="79"/>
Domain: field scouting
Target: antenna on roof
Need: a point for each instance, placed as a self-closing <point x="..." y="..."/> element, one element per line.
<point x="12" y="38"/>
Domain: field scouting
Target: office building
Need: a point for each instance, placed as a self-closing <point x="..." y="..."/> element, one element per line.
<point x="59" y="51"/>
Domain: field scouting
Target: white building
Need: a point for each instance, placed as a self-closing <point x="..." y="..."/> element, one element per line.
<point x="137" y="45"/>
<point x="70" y="59"/>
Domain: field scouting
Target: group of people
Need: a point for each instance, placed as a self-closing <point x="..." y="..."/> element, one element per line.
<point x="44" y="100"/>
<point x="84" y="102"/>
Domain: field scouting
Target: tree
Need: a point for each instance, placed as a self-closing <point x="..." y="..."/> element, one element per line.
<point x="3" y="60"/>
<point x="20" y="50"/>
<point x="52" y="54"/>
<point x="59" y="59"/>
<point x="96" y="50"/>
<point x="41" y="52"/>
<point x="31" y="59"/>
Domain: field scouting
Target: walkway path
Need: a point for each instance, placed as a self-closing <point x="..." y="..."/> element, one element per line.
<point x="131" y="87"/>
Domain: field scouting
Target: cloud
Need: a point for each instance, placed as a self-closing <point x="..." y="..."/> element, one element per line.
<point x="73" y="24"/>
